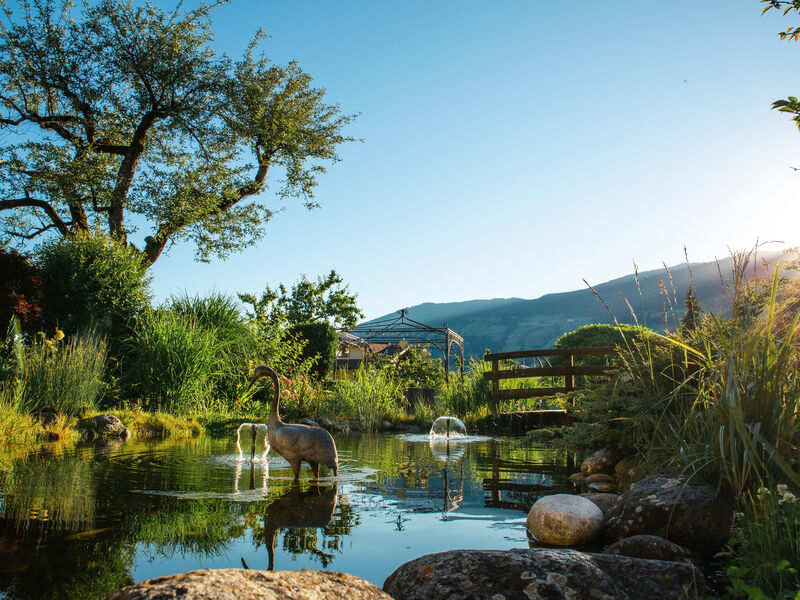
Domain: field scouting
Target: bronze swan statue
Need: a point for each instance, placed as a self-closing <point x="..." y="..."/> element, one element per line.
<point x="296" y="443"/>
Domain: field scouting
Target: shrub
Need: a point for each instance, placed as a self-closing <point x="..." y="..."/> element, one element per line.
<point x="92" y="281"/>
<point x="171" y="363"/>
<point x="65" y="375"/>
<point x="20" y="292"/>
<point x="320" y="345"/>
<point x="370" y="395"/>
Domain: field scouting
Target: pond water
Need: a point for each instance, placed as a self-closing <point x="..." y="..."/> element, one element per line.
<point x="83" y="522"/>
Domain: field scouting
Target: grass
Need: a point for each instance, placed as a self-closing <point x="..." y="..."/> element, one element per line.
<point x="147" y="425"/>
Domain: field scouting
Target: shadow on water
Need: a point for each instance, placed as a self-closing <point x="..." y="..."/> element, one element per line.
<point x="85" y="521"/>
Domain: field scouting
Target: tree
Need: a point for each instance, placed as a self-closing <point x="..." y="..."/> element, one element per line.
<point x="790" y="104"/>
<point x="325" y="300"/>
<point x="128" y="118"/>
<point x="694" y="312"/>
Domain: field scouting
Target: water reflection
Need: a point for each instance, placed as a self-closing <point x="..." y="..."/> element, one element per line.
<point x="82" y="522"/>
<point x="297" y="509"/>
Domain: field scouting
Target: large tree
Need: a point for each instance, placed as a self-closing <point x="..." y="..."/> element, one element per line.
<point x="127" y="118"/>
<point x="790" y="104"/>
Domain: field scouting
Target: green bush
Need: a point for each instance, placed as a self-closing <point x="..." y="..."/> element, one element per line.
<point x="320" y="345"/>
<point x="370" y="395"/>
<point x="172" y="362"/>
<point x="92" y="281"/>
<point x="61" y="374"/>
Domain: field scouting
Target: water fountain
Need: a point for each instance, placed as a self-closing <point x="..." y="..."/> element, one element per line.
<point x="448" y="427"/>
<point x="255" y="428"/>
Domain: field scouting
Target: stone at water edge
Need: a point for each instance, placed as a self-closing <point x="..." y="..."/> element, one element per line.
<point x="693" y="516"/>
<point x="105" y="426"/>
<point x="649" y="546"/>
<point x="603" y="501"/>
<point x="565" y="520"/>
<point x="577" y="479"/>
<point x="541" y="573"/>
<point x="236" y="584"/>
<point x="599" y="462"/>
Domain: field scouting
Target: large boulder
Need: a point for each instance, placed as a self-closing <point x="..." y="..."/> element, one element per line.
<point x="541" y="573"/>
<point x="603" y="501"/>
<point x="649" y="546"/>
<point x="104" y="426"/>
<point x="602" y="461"/>
<point x="694" y="516"/>
<point x="235" y="584"/>
<point x="565" y="520"/>
<point x="628" y="471"/>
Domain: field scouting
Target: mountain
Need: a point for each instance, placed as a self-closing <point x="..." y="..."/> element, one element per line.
<point x="506" y="324"/>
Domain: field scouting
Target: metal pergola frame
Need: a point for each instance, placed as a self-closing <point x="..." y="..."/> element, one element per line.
<point x="393" y="330"/>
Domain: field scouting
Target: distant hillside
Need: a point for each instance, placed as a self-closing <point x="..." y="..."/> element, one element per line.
<point x="505" y="324"/>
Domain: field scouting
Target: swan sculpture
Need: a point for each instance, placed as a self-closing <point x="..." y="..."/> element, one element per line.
<point x="296" y="443"/>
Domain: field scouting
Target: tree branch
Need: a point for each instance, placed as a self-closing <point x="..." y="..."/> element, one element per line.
<point x="28" y="202"/>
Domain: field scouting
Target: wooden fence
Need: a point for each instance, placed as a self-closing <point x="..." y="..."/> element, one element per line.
<point x="568" y="371"/>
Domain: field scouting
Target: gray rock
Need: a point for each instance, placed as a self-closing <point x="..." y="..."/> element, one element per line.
<point x="600" y="477"/>
<point x="565" y="520"/>
<point x="235" y="584"/>
<point x="386" y="426"/>
<point x="628" y="471"/>
<point x="600" y="462"/>
<point x="649" y="546"/>
<point x="328" y="424"/>
<point x="541" y="573"/>
<point x="602" y="487"/>
<point x="603" y="501"/>
<point x="309" y="422"/>
<point x="693" y="516"/>
<point x="47" y="418"/>
<point x="577" y="479"/>
<point x="413" y="429"/>
<point x="103" y="426"/>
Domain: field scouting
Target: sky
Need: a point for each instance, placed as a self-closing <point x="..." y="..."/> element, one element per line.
<point x="515" y="148"/>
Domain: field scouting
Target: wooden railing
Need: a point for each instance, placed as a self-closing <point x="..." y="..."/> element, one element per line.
<point x="568" y="371"/>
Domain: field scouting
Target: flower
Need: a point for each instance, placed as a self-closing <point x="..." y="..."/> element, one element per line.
<point x="48" y="343"/>
<point x="782" y="488"/>
<point x="59" y="335"/>
<point x="788" y="498"/>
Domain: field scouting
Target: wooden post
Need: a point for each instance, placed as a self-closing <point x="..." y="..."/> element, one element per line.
<point x="569" y="378"/>
<point x="495" y="386"/>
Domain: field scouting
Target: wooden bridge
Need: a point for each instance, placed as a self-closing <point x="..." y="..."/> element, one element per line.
<point x="569" y="371"/>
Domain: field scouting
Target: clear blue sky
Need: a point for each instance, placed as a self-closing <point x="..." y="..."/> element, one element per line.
<point x="513" y="148"/>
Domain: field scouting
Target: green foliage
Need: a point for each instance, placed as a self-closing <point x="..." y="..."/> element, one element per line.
<point x="90" y="281"/>
<point x="370" y="395"/>
<point x="415" y="367"/>
<point x="172" y="362"/>
<point x="603" y="335"/>
<point x="694" y="312"/>
<point x="122" y="114"/>
<point x="320" y="346"/>
<point x="61" y="374"/>
<point x="20" y="291"/>
<point x="325" y="300"/>
<point x="766" y="546"/>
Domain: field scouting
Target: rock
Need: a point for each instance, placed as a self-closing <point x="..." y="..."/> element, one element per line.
<point x="235" y="584"/>
<point x="602" y="487"/>
<point x="386" y="426"/>
<point x="413" y="429"/>
<point x="628" y="472"/>
<point x="577" y="479"/>
<point x="600" y="477"/>
<point x="327" y="424"/>
<point x="309" y="422"/>
<point x="648" y="546"/>
<point x="565" y="520"/>
<point x="599" y="462"/>
<point x="541" y="573"/>
<point x="603" y="501"/>
<point x="104" y="426"/>
<point x="691" y="515"/>
<point x="47" y="418"/>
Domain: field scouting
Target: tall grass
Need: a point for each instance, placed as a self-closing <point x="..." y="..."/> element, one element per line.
<point x="371" y="395"/>
<point x="171" y="363"/>
<point x="64" y="375"/>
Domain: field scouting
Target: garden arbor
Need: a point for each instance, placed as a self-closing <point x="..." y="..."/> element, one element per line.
<point x="403" y="331"/>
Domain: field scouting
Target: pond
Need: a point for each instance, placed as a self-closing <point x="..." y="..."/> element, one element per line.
<point x="85" y="521"/>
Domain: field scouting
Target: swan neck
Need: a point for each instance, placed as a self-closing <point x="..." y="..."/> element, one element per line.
<point x="273" y="411"/>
